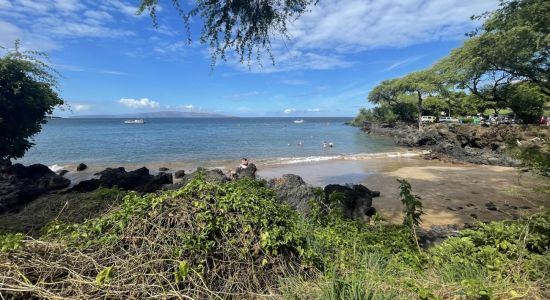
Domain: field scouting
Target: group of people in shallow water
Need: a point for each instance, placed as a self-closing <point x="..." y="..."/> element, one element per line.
<point x="328" y="145"/>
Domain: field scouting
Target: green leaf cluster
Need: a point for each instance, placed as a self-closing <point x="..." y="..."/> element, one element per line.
<point x="27" y="94"/>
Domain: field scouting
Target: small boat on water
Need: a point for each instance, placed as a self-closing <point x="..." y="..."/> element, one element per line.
<point x="136" y="121"/>
<point x="299" y="121"/>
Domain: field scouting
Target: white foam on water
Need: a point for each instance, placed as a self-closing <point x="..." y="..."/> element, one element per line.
<point x="359" y="156"/>
<point x="56" y="167"/>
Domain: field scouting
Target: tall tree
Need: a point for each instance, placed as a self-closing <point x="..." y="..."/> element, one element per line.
<point x="516" y="40"/>
<point x="470" y="67"/>
<point x="27" y="94"/>
<point x="244" y="26"/>
<point x="388" y="92"/>
<point x="421" y="84"/>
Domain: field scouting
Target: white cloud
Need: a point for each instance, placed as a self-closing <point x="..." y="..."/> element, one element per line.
<point x="289" y="110"/>
<point x="45" y="25"/>
<point x="190" y="106"/>
<point x="111" y="72"/>
<point x="313" y="110"/>
<point x="355" y="25"/>
<point x="403" y="62"/>
<point x="323" y="38"/>
<point x="291" y="60"/>
<point x="68" y="5"/>
<point x="142" y="103"/>
<point x="81" y="107"/>
<point x="242" y="95"/>
<point x="5" y="4"/>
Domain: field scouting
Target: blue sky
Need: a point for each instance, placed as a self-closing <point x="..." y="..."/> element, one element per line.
<point x="113" y="61"/>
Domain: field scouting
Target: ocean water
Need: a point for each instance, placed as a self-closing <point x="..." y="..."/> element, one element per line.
<point x="110" y="141"/>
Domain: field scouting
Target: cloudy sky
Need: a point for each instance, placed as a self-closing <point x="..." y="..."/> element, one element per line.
<point x="113" y="61"/>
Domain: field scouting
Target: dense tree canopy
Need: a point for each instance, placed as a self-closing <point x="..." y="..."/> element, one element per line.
<point x="27" y="94"/>
<point x="504" y="64"/>
<point x="246" y="27"/>
<point x="517" y="40"/>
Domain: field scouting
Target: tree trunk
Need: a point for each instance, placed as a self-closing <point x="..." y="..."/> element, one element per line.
<point x="419" y="110"/>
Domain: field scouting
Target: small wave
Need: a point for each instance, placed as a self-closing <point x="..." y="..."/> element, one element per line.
<point x="56" y="167"/>
<point x="359" y="156"/>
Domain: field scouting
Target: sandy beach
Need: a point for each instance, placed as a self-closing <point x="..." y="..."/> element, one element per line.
<point x="451" y="193"/>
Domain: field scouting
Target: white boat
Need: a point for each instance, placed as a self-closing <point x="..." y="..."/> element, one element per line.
<point x="136" y="121"/>
<point x="299" y="121"/>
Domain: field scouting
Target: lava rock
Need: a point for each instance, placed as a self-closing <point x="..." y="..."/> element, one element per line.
<point x="179" y="174"/>
<point x="356" y="200"/>
<point x="62" y="172"/>
<point x="163" y="169"/>
<point x="248" y="172"/>
<point x="292" y="189"/>
<point x="81" y="167"/>
<point x="21" y="184"/>
<point x="86" y="186"/>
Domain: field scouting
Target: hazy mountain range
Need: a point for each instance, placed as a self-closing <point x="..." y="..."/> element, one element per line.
<point x="158" y="114"/>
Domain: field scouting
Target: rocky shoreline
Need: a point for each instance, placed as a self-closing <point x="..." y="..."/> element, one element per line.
<point x="21" y="185"/>
<point x="486" y="145"/>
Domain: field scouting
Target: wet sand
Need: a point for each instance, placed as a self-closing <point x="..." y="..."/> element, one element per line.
<point x="451" y="193"/>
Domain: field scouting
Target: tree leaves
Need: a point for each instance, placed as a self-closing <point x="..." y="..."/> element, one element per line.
<point x="240" y="26"/>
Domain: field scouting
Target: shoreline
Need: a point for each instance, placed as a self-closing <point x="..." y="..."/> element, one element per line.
<point x="227" y="165"/>
<point x="452" y="192"/>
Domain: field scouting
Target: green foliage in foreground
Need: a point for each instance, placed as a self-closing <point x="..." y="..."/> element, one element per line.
<point x="234" y="240"/>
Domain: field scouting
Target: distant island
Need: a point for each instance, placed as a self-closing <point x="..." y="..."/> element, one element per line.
<point x="158" y="114"/>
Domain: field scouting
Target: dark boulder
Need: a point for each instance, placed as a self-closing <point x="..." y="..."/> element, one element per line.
<point x="248" y="172"/>
<point x="292" y="189"/>
<point x="20" y="185"/>
<point x="179" y="174"/>
<point x="86" y="186"/>
<point x="356" y="200"/>
<point x="111" y="177"/>
<point x="138" y="180"/>
<point x="156" y="183"/>
<point x="81" y="167"/>
<point x="215" y="175"/>
<point x="62" y="172"/>
<point x="163" y="169"/>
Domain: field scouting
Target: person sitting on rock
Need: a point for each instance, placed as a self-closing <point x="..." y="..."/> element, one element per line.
<point x="245" y="170"/>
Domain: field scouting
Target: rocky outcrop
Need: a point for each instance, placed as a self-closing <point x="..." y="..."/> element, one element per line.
<point x="248" y="172"/>
<point x="81" y="167"/>
<point x="20" y="185"/>
<point x="475" y="144"/>
<point x="138" y="180"/>
<point x="354" y="200"/>
<point x="179" y="174"/>
<point x="86" y="186"/>
<point x="293" y="190"/>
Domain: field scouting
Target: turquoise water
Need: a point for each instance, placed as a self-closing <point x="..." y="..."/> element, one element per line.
<point x="109" y="141"/>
